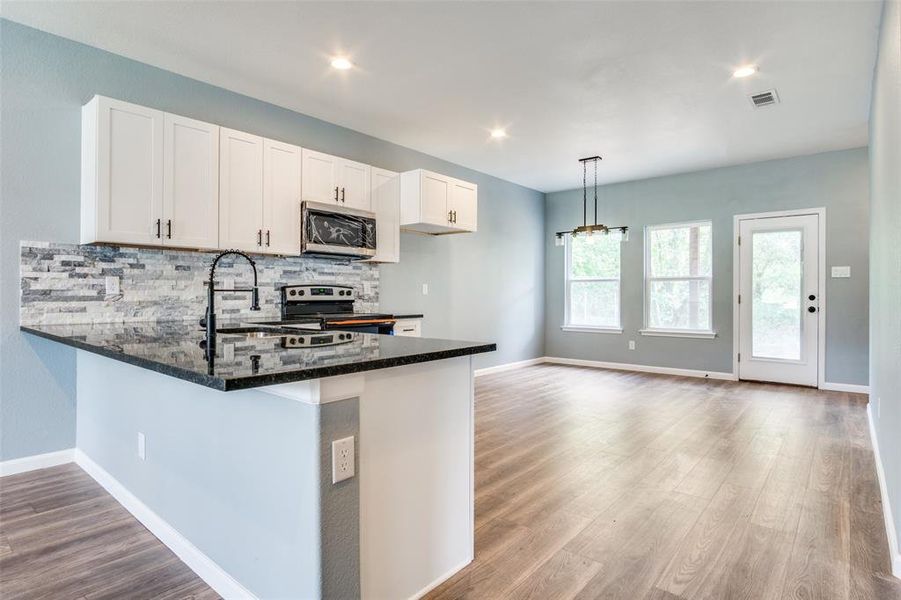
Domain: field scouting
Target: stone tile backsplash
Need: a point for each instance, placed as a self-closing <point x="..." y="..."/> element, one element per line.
<point x="69" y="284"/>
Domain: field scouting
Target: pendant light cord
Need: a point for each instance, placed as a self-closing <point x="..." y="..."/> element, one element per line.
<point x="584" y="194"/>
<point x="595" y="191"/>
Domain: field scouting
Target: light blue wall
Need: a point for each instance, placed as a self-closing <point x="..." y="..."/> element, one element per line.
<point x="885" y="253"/>
<point x="244" y="476"/>
<point x="483" y="286"/>
<point x="835" y="180"/>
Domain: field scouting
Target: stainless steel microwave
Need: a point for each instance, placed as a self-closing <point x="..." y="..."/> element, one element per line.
<point x="332" y="230"/>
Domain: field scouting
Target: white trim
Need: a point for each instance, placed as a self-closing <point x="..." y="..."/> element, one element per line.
<point x="639" y="368"/>
<point x="890" y="531"/>
<point x="37" y="461"/>
<point x="854" y="388"/>
<point x="821" y="284"/>
<point x="214" y="575"/>
<point x="590" y="329"/>
<point x="508" y="366"/>
<point x="441" y="579"/>
<point x="683" y="333"/>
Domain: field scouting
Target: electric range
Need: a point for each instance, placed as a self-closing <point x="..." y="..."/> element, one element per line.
<point x="328" y="307"/>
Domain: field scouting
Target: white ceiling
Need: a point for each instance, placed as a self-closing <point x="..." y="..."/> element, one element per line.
<point x="645" y="84"/>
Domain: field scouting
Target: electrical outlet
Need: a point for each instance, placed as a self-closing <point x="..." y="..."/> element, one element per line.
<point x="142" y="447"/>
<point x="425" y="289"/>
<point x="342" y="459"/>
<point x="631" y="344"/>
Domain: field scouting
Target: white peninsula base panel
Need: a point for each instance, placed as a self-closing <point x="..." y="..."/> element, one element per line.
<point x="239" y="485"/>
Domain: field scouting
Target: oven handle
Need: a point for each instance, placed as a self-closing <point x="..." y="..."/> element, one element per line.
<point x="364" y="322"/>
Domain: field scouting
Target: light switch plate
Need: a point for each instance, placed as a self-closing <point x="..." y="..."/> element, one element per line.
<point x="342" y="459"/>
<point x="841" y="272"/>
<point x="425" y="289"/>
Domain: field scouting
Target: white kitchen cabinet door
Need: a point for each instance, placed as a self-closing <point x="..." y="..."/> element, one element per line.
<point x="190" y="183"/>
<point x="436" y="191"/>
<point x="354" y="179"/>
<point x="240" y="191"/>
<point x="122" y="172"/>
<point x="464" y="205"/>
<point x="320" y="177"/>
<point x="281" y="197"/>
<point x="386" y="206"/>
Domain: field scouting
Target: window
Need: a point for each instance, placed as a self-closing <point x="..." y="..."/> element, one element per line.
<point x="678" y="279"/>
<point x="592" y="282"/>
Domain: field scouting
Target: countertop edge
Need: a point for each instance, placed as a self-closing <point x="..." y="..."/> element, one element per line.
<point x="251" y="381"/>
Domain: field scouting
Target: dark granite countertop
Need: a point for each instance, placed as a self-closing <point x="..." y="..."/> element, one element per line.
<point x="407" y="316"/>
<point x="173" y="348"/>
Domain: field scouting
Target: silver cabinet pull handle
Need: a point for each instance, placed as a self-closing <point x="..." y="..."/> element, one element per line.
<point x="342" y="194"/>
<point x="159" y="228"/>
<point x="267" y="238"/>
<point x="336" y="193"/>
<point x="259" y="237"/>
<point x="169" y="229"/>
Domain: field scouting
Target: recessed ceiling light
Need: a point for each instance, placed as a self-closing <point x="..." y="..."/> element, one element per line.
<point x="341" y="63"/>
<point x="498" y="133"/>
<point x="744" y="71"/>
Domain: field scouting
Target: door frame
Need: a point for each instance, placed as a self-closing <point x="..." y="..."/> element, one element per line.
<point x="821" y="283"/>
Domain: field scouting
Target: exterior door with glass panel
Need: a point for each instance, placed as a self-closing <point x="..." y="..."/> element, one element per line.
<point x="779" y="299"/>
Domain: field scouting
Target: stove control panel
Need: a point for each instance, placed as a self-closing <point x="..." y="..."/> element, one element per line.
<point x="317" y="293"/>
<point x="316" y="339"/>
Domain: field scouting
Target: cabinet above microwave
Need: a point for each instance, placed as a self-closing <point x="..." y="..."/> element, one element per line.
<point x="437" y="204"/>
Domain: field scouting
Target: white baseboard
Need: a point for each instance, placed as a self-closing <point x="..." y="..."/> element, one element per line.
<point x="38" y="461"/>
<point x="509" y="366"/>
<point x="890" y="531"/>
<point x="845" y="387"/>
<point x="205" y="568"/>
<point x="640" y="368"/>
<point x="442" y="578"/>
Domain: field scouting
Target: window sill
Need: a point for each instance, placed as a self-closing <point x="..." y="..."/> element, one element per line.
<point x="701" y="335"/>
<point x="589" y="329"/>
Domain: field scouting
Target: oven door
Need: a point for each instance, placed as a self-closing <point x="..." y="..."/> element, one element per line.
<point x="337" y="231"/>
<point x="379" y="326"/>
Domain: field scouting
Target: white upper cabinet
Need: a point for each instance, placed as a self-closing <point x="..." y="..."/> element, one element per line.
<point x="281" y="197"/>
<point x="436" y="204"/>
<point x="240" y="191"/>
<point x="354" y="181"/>
<point x="464" y="205"/>
<point x="334" y="180"/>
<point x="386" y="206"/>
<point x="122" y="173"/>
<point x="320" y="177"/>
<point x="190" y="183"/>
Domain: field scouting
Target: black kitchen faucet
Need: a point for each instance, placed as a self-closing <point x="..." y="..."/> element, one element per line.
<point x="209" y="321"/>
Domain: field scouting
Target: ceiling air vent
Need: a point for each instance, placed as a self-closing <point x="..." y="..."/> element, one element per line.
<point x="767" y="98"/>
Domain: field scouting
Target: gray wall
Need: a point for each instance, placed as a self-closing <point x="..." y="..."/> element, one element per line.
<point x="484" y="286"/>
<point x="885" y="253"/>
<point x="835" y="180"/>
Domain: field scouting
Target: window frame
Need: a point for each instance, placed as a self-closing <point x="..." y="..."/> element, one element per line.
<point x="567" y="293"/>
<point x="708" y="333"/>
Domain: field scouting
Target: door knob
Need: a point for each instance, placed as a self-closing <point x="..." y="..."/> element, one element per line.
<point x="811" y="309"/>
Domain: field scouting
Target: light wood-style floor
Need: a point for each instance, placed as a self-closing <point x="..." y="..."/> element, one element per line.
<point x="604" y="484"/>
<point x="63" y="536"/>
<point x="589" y="484"/>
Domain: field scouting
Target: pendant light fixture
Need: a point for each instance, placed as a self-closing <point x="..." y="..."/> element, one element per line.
<point x="585" y="228"/>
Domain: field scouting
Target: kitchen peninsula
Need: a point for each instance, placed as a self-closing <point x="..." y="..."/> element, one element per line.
<point x="245" y="476"/>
